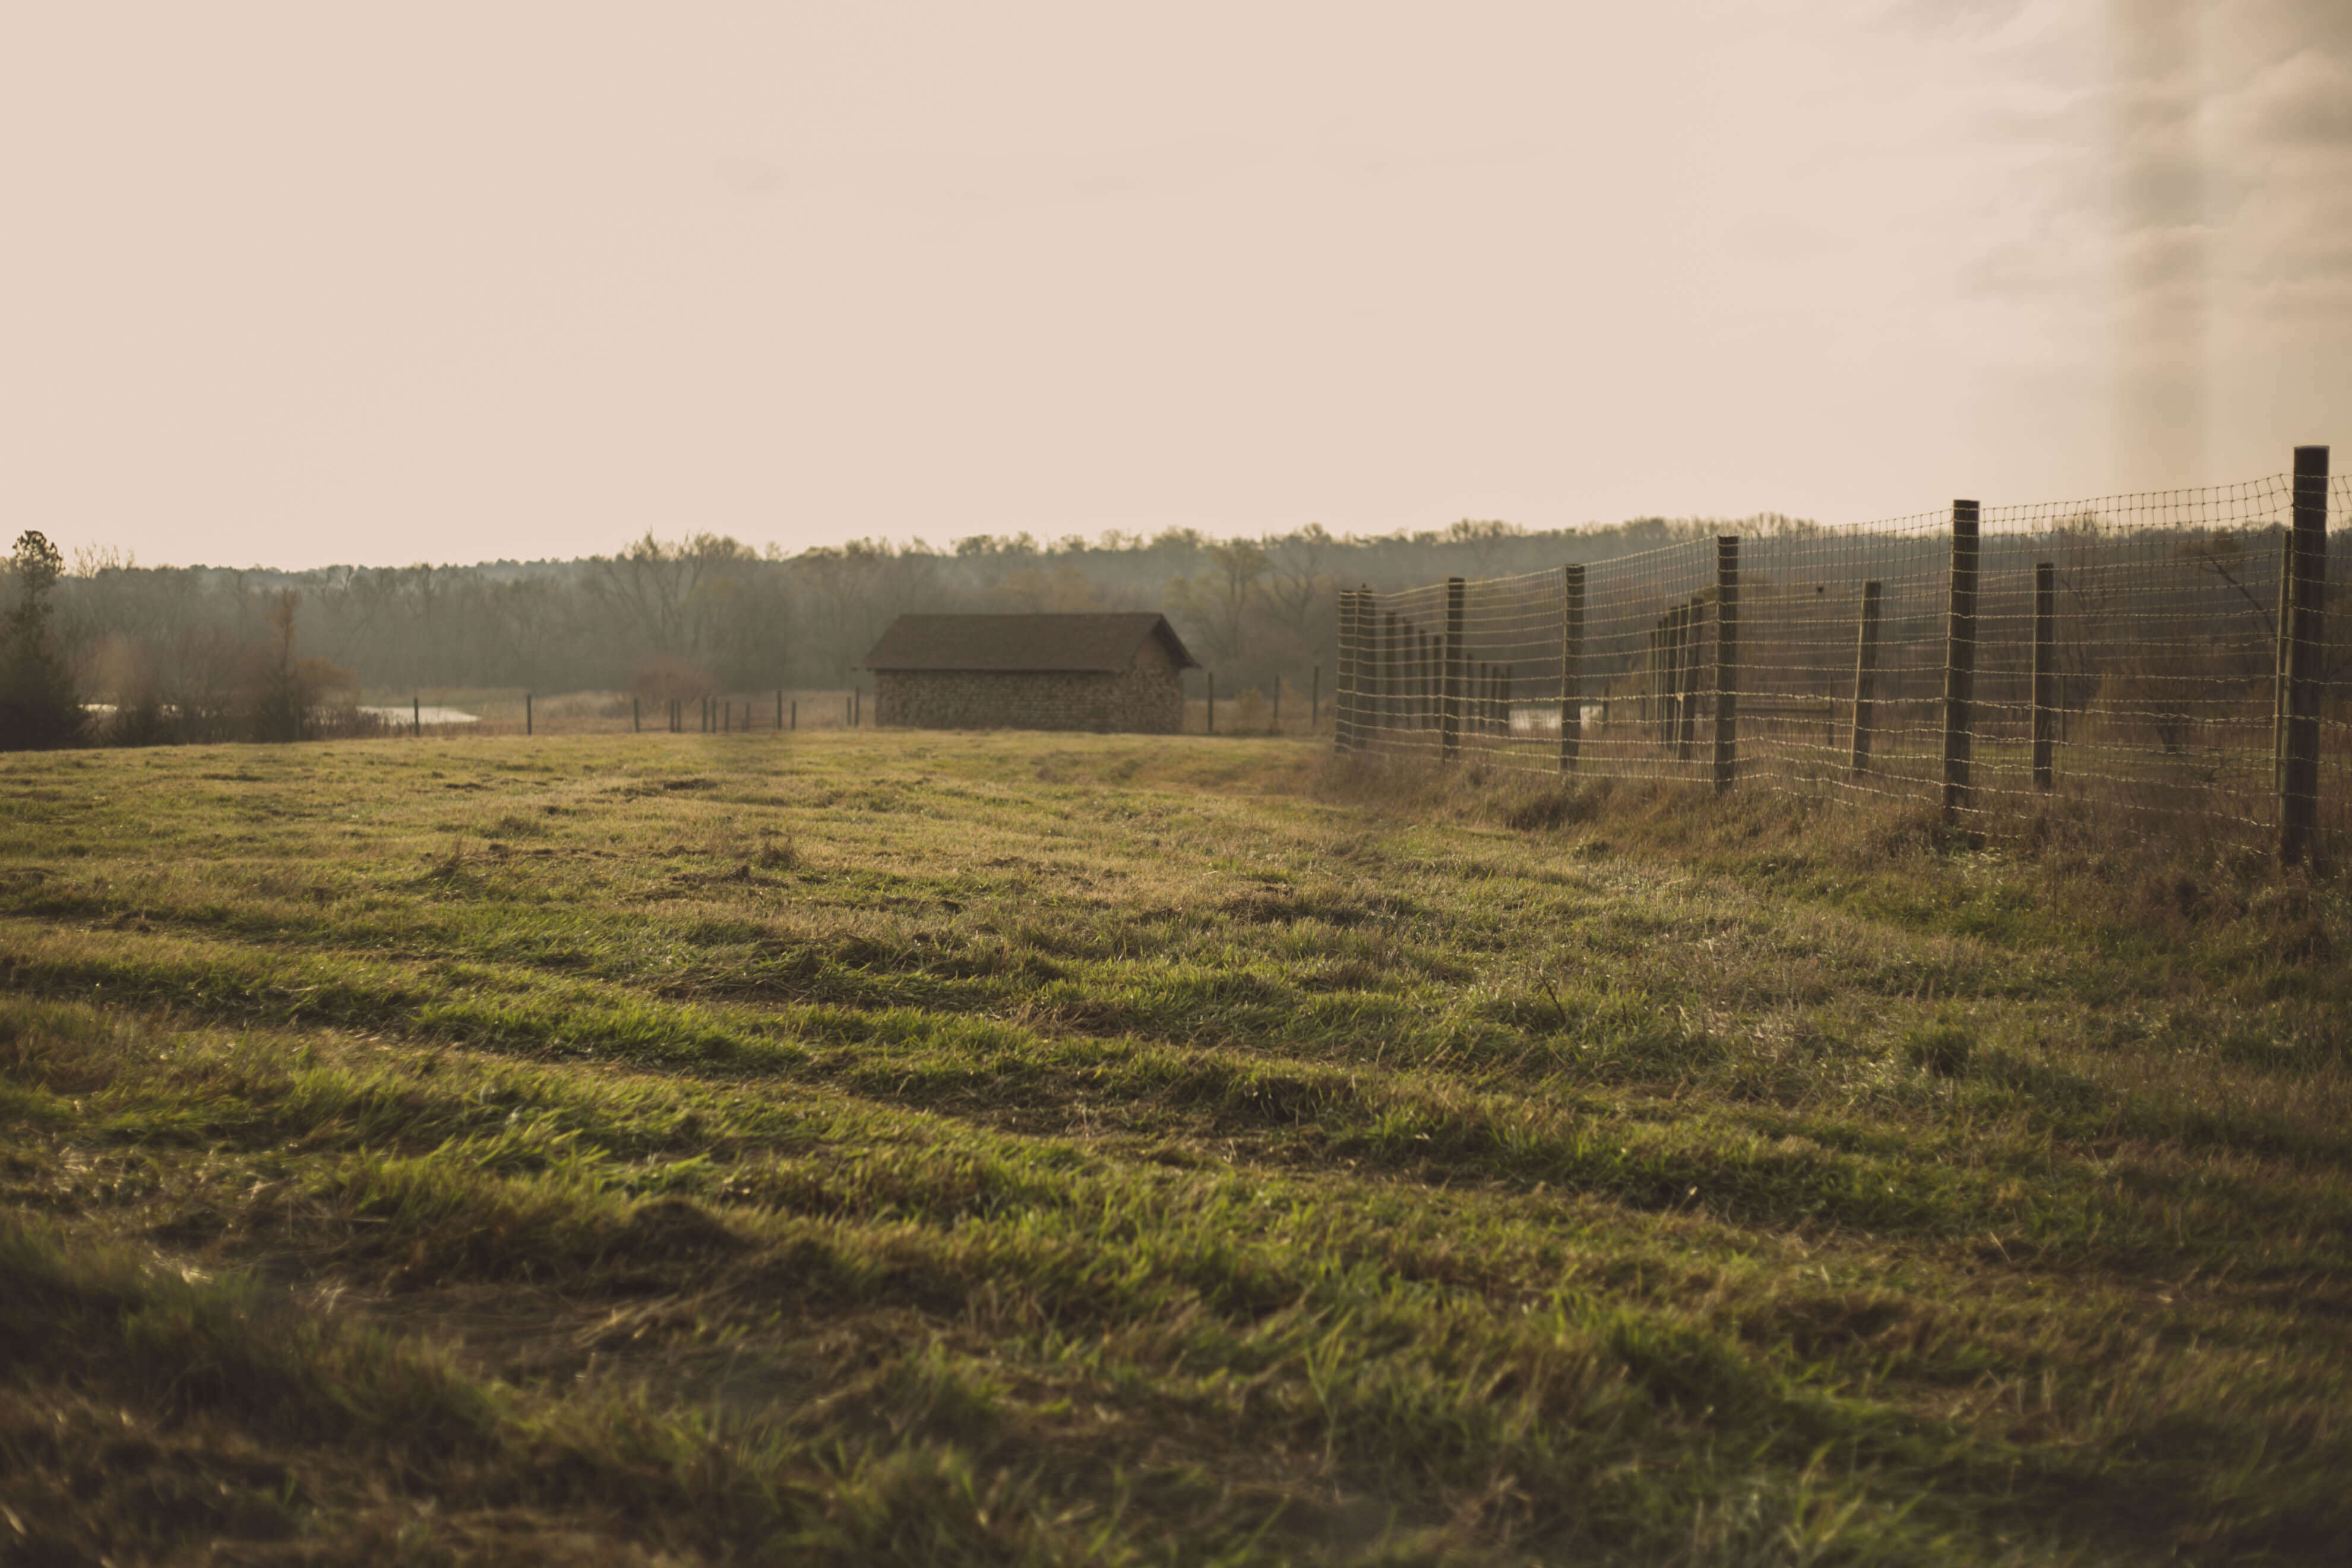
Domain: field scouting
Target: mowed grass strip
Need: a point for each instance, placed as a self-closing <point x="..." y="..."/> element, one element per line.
<point x="995" y="1149"/>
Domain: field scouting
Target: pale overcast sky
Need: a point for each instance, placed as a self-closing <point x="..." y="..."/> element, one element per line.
<point x="297" y="283"/>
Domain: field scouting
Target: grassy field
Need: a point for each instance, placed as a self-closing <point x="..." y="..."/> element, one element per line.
<point x="946" y="1149"/>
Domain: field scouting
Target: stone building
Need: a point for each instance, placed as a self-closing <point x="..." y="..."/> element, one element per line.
<point x="1030" y="672"/>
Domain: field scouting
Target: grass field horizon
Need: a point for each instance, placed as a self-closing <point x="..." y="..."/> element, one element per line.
<point x="929" y="1148"/>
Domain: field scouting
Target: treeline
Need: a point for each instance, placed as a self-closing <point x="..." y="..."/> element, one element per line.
<point x="199" y="646"/>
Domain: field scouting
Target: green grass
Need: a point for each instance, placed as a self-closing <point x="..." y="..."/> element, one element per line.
<point x="931" y="1148"/>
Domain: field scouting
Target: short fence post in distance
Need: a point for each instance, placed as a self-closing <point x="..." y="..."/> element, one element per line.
<point x="1428" y="680"/>
<point x="1450" y="693"/>
<point x="2045" y="670"/>
<point x="1571" y="665"/>
<point x="1960" y="662"/>
<point x="636" y="720"/>
<point x="1391" y="670"/>
<point x="416" y="715"/>
<point x="1363" y="668"/>
<point x="526" y="712"/>
<point x="779" y="708"/>
<point x="1339" y="669"/>
<point x="1865" y="676"/>
<point x="1726" y="660"/>
<point x="796" y="713"/>
<point x="1343" y="629"/>
<point x="2302" y="631"/>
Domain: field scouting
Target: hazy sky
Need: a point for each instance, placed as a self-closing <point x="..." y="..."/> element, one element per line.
<point x="301" y="283"/>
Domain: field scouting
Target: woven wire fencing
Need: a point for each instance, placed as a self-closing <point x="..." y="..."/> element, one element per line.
<point x="2117" y="655"/>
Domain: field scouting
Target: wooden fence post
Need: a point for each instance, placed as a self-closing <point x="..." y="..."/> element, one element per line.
<point x="1315" y="700"/>
<point x="2301" y="632"/>
<point x="1865" y="676"/>
<point x="1433" y="679"/>
<point x="2046" y="671"/>
<point x="779" y="708"/>
<point x="796" y="713"/>
<point x="1726" y="660"/>
<point x="416" y="714"/>
<point x="1571" y="666"/>
<point x="1273" y="725"/>
<point x="1960" y="663"/>
<point x="1660" y="685"/>
<point x="1346" y="629"/>
<point x="1449" y="712"/>
<point x="526" y="712"/>
<point x="636" y="720"/>
<point x="1367" y="670"/>
<point x="1391" y="668"/>
<point x="1686" y="706"/>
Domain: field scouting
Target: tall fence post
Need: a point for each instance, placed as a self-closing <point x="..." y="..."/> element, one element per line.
<point x="636" y="719"/>
<point x="2046" y="671"/>
<point x="1449" y="702"/>
<point x="779" y="708"/>
<point x="1686" y="705"/>
<point x="1367" y="670"/>
<point x="1865" y="676"/>
<point x="1960" y="663"/>
<point x="526" y="712"/>
<point x="1571" y="666"/>
<point x="1391" y="670"/>
<point x="1726" y="660"/>
<point x="2300" y="632"/>
<point x="416" y="714"/>
<point x="796" y="713"/>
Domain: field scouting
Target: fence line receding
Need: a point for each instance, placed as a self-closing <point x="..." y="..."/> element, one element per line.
<point x="2167" y="656"/>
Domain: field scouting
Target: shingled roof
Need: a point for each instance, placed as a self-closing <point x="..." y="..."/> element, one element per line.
<point x="1037" y="643"/>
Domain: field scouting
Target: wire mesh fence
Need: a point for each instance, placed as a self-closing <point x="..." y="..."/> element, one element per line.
<point x="2159" y="659"/>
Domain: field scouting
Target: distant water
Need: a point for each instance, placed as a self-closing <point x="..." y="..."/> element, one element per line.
<point x="425" y="715"/>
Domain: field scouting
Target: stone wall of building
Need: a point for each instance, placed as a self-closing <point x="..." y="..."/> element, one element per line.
<point x="1147" y="698"/>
